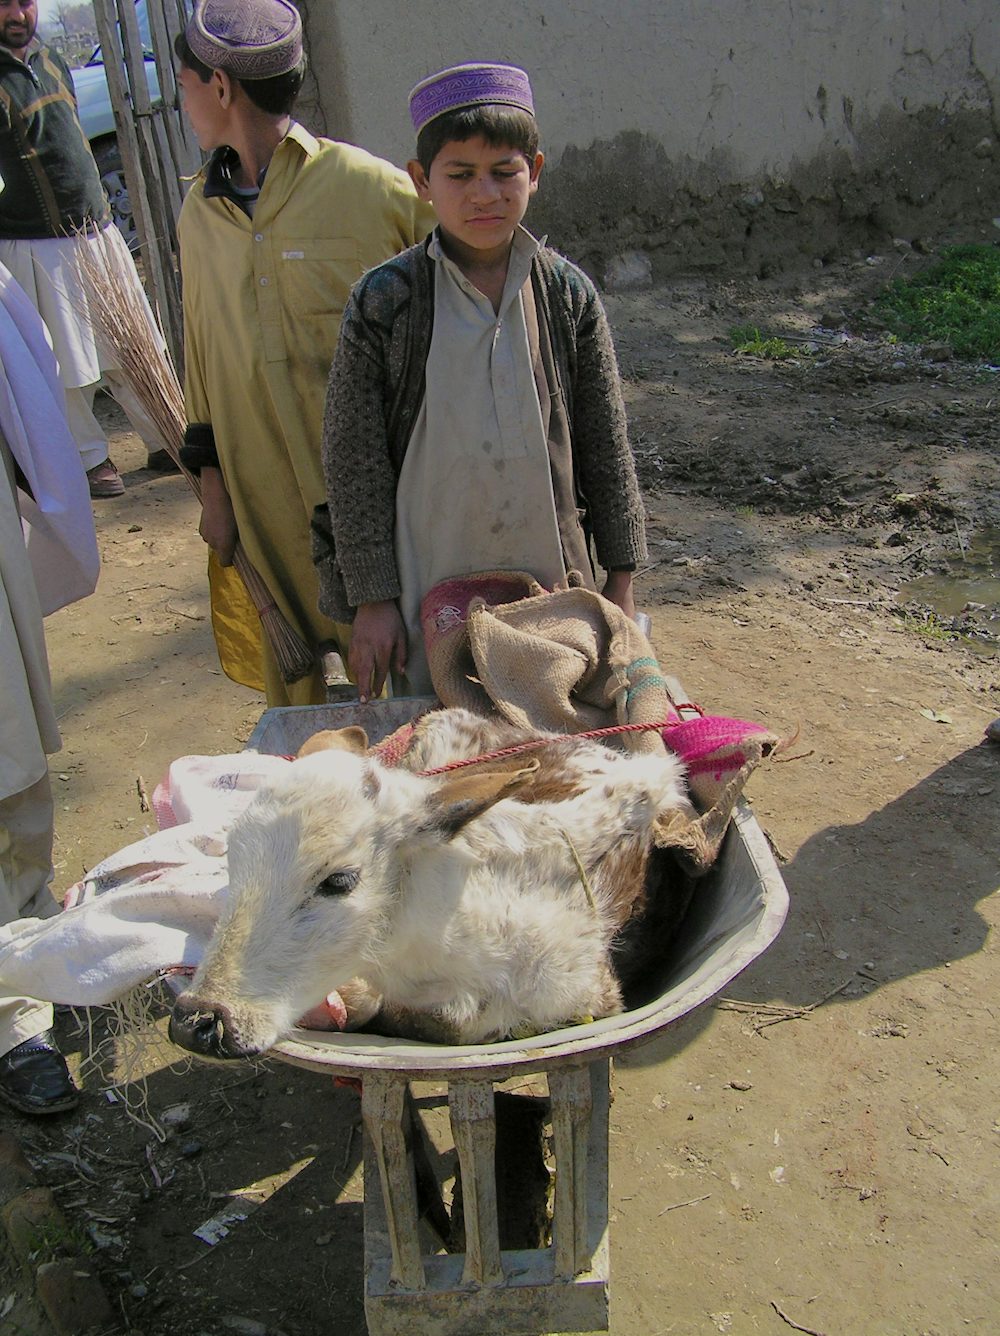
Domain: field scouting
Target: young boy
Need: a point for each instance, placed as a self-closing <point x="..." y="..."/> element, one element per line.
<point x="274" y="232"/>
<point x="474" y="417"/>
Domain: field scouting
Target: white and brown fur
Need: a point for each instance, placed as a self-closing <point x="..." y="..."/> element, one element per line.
<point x="452" y="905"/>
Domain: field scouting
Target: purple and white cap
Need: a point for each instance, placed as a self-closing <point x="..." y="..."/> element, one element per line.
<point x="470" y="86"/>
<point x="251" y="39"/>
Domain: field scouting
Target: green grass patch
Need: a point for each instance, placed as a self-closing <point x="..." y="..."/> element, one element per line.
<point x="57" y="1237"/>
<point x="748" y="340"/>
<point x="955" y="301"/>
<point x="926" y="625"/>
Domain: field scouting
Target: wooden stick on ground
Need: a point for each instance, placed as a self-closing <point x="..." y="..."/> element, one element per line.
<point x="810" y="1331"/>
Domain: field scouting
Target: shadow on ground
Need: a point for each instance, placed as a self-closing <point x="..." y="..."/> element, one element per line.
<point x="876" y="901"/>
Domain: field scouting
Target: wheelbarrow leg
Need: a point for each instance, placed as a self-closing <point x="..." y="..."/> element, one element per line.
<point x="470" y="1104"/>
<point x="523" y="1291"/>
<point x="523" y="1179"/>
<point x="580" y="1101"/>
<point x="430" y="1203"/>
<point x="388" y="1139"/>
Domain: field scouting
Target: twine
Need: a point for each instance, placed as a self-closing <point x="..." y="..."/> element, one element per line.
<point x="534" y="743"/>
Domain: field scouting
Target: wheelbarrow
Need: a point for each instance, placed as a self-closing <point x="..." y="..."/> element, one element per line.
<point x="563" y="1284"/>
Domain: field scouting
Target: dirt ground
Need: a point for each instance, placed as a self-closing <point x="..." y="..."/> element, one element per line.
<point x="832" y="1167"/>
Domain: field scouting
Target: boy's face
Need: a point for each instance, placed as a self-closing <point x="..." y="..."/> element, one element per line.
<point x="205" y="106"/>
<point x="480" y="192"/>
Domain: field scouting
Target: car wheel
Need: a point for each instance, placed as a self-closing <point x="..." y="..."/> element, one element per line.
<point x="109" y="164"/>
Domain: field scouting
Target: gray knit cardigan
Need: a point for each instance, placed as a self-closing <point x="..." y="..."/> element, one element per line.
<point x="376" y="388"/>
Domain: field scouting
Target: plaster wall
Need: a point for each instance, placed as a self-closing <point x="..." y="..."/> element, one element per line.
<point x="648" y="107"/>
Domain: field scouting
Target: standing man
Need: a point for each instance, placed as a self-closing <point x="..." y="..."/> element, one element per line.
<point x="52" y="203"/>
<point x="33" y="1074"/>
<point x="48" y="558"/>
<point x="273" y="234"/>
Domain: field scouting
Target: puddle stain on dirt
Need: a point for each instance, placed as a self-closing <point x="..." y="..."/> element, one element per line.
<point x="965" y="597"/>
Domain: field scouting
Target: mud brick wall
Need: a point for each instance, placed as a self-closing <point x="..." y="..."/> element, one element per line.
<point x="694" y="137"/>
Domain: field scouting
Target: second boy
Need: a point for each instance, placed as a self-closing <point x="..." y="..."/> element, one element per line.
<point x="474" y="416"/>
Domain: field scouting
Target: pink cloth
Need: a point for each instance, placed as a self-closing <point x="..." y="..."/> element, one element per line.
<point x="715" y="745"/>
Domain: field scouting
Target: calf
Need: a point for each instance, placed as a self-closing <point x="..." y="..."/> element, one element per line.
<point x="463" y="907"/>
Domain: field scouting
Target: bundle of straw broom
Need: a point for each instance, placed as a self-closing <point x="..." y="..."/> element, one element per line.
<point x="122" y="319"/>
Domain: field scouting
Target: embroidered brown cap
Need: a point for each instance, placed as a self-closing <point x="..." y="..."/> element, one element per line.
<point x="251" y="39"/>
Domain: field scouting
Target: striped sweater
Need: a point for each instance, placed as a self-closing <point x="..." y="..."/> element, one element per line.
<point x="51" y="183"/>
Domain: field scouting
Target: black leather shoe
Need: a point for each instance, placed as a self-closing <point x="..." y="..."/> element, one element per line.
<point x="34" y="1077"/>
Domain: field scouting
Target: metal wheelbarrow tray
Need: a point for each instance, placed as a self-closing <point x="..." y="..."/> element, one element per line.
<point x="737" y="911"/>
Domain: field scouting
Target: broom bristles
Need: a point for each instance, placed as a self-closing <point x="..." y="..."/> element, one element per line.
<point x="289" y="649"/>
<point x="123" y="321"/>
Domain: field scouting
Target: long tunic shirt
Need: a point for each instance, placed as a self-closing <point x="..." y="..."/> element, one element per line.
<point x="263" y="299"/>
<point x="481" y="456"/>
<point x="378" y="383"/>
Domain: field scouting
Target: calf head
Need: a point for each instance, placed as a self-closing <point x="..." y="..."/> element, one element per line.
<point x="315" y="869"/>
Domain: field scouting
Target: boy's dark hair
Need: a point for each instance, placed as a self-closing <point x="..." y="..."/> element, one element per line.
<point x="276" y="95"/>
<point x="500" y="126"/>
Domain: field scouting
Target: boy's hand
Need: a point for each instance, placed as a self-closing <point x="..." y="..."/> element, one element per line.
<point x="218" y="521"/>
<point x="618" y="589"/>
<point x="378" y="644"/>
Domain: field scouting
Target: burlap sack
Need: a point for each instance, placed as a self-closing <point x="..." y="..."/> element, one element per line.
<point x="565" y="662"/>
<point x="444" y="615"/>
<point x="570" y="662"/>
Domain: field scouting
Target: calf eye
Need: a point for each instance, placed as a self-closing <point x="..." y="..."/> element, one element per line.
<point x="339" y="883"/>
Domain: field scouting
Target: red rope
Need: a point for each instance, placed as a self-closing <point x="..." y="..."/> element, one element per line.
<point x="535" y="743"/>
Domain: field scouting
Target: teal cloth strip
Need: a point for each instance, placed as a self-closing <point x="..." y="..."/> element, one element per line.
<point x="641" y="686"/>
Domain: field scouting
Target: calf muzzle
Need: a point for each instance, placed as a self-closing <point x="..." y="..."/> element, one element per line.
<point x="203" y="1029"/>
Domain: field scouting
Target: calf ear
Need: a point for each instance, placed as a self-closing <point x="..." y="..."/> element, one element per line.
<point x="465" y="794"/>
<point x="351" y="739"/>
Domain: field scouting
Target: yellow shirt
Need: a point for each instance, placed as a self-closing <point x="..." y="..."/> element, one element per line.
<point x="263" y="300"/>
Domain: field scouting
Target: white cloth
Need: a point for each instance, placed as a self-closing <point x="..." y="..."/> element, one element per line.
<point x="25" y="873"/>
<point x="26" y="852"/>
<point x="47" y="560"/>
<point x="58" y="521"/>
<point x="27" y="731"/>
<point x="27" y="720"/>
<point x="46" y="268"/>
<point x="475" y="490"/>
<point x="150" y="908"/>
<point x="22" y="1018"/>
<point x="87" y="432"/>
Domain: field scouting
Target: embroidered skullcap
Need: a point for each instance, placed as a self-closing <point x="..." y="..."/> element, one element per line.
<point x="251" y="39"/>
<point x="470" y="86"/>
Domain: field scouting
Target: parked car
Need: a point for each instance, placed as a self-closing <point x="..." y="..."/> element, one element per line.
<point x="98" y="121"/>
